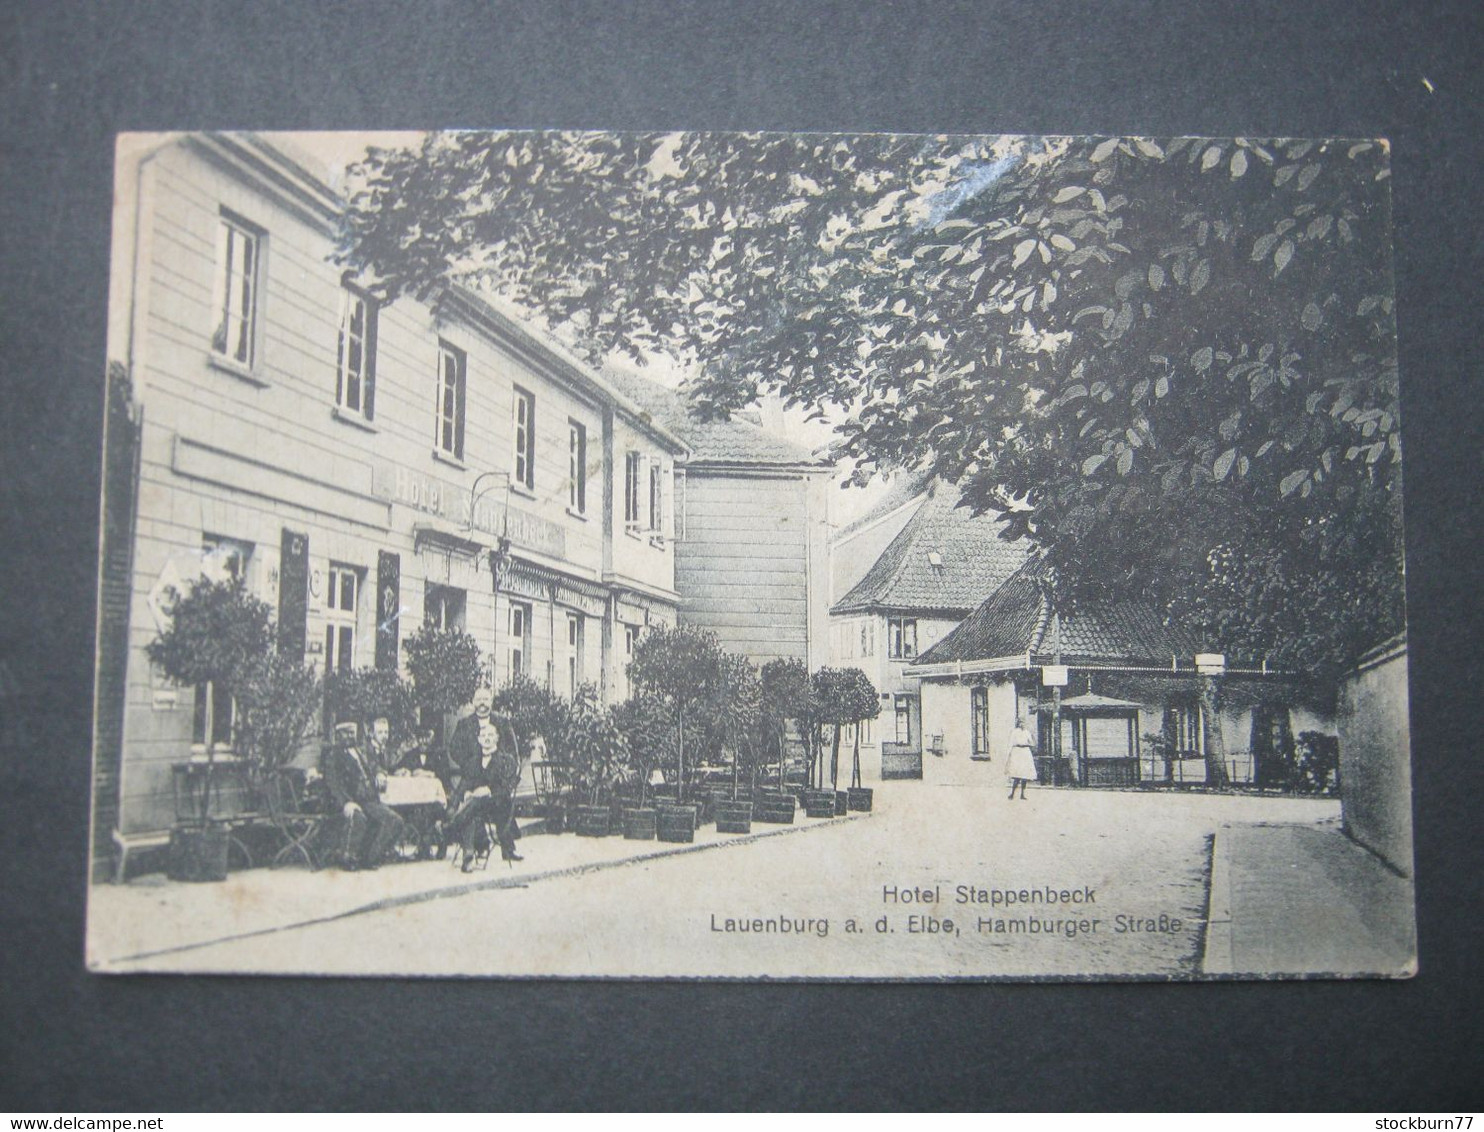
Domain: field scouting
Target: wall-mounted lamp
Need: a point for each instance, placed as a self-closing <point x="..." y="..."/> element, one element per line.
<point x="499" y="563"/>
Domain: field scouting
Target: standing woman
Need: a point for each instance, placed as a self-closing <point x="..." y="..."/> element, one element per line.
<point x="1020" y="767"/>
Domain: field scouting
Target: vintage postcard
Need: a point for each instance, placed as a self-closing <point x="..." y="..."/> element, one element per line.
<point x="751" y="556"/>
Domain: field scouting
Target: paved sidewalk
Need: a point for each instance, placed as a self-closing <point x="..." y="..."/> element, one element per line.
<point x="1305" y="900"/>
<point x="152" y="915"/>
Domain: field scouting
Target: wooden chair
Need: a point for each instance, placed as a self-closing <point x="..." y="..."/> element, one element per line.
<point x="298" y="822"/>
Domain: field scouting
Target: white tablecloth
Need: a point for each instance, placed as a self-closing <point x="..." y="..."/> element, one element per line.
<point x="413" y="790"/>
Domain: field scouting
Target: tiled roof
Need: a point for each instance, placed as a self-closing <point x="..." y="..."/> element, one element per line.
<point x="737" y="440"/>
<point x="944" y="559"/>
<point x="1004" y="625"/>
<point x="1016" y="619"/>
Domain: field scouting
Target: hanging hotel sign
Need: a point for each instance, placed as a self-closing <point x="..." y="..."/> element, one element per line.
<point x="490" y="515"/>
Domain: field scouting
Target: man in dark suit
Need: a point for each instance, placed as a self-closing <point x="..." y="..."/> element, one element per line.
<point x="371" y="828"/>
<point x="484" y="749"/>
<point x="420" y="753"/>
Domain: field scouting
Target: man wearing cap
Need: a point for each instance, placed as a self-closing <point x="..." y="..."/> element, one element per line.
<point x="371" y="828"/>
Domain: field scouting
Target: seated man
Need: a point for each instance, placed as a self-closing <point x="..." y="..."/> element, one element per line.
<point x="420" y="753"/>
<point x="417" y="755"/>
<point x="484" y="747"/>
<point x="371" y="828"/>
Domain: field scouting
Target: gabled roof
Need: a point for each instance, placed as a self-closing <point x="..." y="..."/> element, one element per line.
<point x="1016" y="619"/>
<point x="738" y="440"/>
<point x="945" y="559"/>
<point x="902" y="489"/>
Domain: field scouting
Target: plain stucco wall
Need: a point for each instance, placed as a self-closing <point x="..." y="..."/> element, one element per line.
<point x="1375" y="758"/>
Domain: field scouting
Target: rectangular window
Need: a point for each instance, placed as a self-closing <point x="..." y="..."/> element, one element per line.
<point x="631" y="490"/>
<point x="656" y="498"/>
<point x="355" y="372"/>
<point x="341" y="606"/>
<point x="902" y="633"/>
<point x="577" y="467"/>
<point x="449" y="426"/>
<point x="979" y="722"/>
<point x="1184" y="727"/>
<point x="235" y="301"/>
<point x="574" y="653"/>
<point x="225" y="557"/>
<point x="443" y="607"/>
<point x="525" y="439"/>
<point x="903" y="719"/>
<point x="213" y="714"/>
<point x="625" y="658"/>
<point x="520" y="637"/>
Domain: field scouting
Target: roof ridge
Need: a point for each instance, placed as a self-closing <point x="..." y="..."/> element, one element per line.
<point x="910" y="530"/>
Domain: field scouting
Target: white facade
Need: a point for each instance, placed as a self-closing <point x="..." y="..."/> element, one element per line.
<point x="291" y="429"/>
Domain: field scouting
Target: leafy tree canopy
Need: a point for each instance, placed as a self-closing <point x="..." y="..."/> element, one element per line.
<point x="218" y="632"/>
<point x="534" y="709"/>
<point x="596" y="746"/>
<point x="648" y="727"/>
<point x="785" y="689"/>
<point x="364" y="695"/>
<point x="278" y="707"/>
<point x="444" y="664"/>
<point x="1153" y="358"/>
<point x="682" y="666"/>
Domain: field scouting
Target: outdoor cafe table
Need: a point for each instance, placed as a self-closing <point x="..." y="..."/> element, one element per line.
<point x="420" y="799"/>
<point x="405" y="791"/>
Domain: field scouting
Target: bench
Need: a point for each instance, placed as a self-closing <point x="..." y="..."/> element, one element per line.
<point x="126" y="843"/>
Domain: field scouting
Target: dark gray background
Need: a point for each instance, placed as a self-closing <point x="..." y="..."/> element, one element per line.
<point x="73" y="74"/>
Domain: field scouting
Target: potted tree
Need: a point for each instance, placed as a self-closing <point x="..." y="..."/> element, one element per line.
<point x="860" y="702"/>
<point x="445" y="670"/>
<point x="279" y="702"/>
<point x="737" y="715"/>
<point x="649" y="733"/>
<point x="597" y="751"/>
<point x="534" y="709"/>
<point x="217" y="632"/>
<point x="830" y="702"/>
<point x="784" y="696"/>
<point x="680" y="667"/>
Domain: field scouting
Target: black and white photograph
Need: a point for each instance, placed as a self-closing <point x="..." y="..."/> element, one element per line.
<point x="786" y="556"/>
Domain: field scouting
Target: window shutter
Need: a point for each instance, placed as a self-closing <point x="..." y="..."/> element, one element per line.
<point x="641" y="494"/>
<point x="368" y="361"/>
<point x="388" y="607"/>
<point x="667" y="502"/>
<point x="293" y="594"/>
<point x="531" y="441"/>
